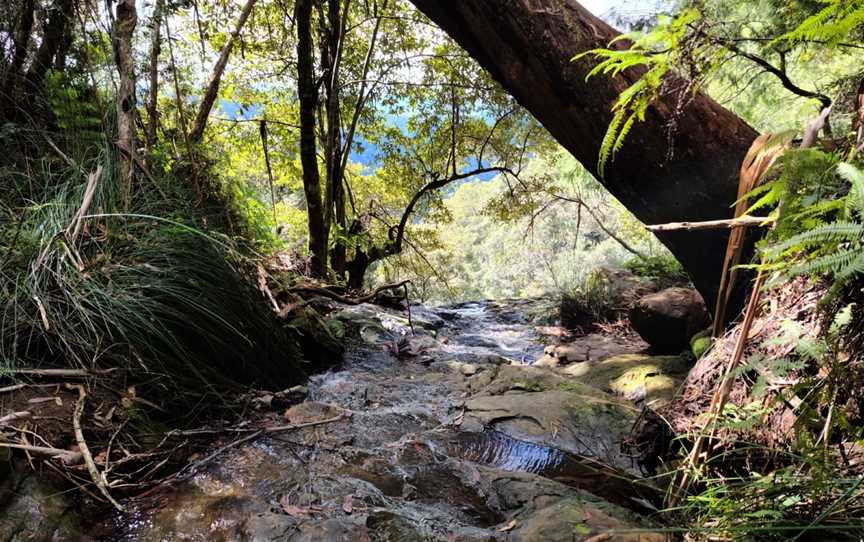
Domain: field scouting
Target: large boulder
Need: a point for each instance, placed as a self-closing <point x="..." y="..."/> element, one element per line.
<point x="668" y="319"/>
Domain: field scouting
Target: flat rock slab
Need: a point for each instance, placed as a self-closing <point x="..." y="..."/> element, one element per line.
<point x="539" y="406"/>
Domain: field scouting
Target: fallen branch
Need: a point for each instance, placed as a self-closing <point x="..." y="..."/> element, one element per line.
<point x="82" y="373"/>
<point x="15" y="387"/>
<point x="67" y="457"/>
<point x="95" y="475"/>
<point x="741" y="221"/>
<point x="704" y="443"/>
<point x="14" y="417"/>
<point x="324" y="292"/>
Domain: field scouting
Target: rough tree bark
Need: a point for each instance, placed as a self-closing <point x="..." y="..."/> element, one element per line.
<point x="153" y="91"/>
<point x="334" y="193"/>
<point x="527" y="46"/>
<point x="124" y="56"/>
<point x="212" y="91"/>
<point x="308" y="95"/>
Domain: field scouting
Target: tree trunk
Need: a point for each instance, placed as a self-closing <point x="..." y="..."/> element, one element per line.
<point x="308" y="96"/>
<point x="334" y="195"/>
<point x="20" y="43"/>
<point x="54" y="29"/>
<point x="212" y="91"/>
<point x="124" y="29"/>
<point x="527" y="46"/>
<point x="153" y="91"/>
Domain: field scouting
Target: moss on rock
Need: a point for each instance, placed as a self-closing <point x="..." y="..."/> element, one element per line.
<point x="635" y="376"/>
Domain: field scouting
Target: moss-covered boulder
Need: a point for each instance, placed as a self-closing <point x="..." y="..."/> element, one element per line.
<point x="668" y="319"/>
<point x="636" y="377"/>
<point x="320" y="340"/>
<point x="540" y="406"/>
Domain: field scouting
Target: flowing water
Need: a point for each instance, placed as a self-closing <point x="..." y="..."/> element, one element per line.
<point x="456" y="438"/>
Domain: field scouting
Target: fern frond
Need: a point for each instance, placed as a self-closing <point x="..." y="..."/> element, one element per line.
<point x="826" y="233"/>
<point x="856" y="178"/>
<point x="838" y="263"/>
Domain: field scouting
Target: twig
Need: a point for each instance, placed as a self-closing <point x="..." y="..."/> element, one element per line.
<point x="97" y="478"/>
<point x="266" y="430"/>
<point x="704" y="442"/>
<point x="408" y="308"/>
<point x="12" y="388"/>
<point x="740" y="221"/>
<point x="89" y="192"/>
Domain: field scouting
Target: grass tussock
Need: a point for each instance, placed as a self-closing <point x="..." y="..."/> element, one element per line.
<point x="89" y="284"/>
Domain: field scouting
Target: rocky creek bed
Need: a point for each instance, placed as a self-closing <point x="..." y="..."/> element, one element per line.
<point x="471" y="428"/>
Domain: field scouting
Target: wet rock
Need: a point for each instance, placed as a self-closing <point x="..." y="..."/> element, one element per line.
<point x="466" y="369"/>
<point x="477" y="340"/>
<point x="668" y="319"/>
<point x="35" y="507"/>
<point x="539" y="406"/>
<point x="574" y="519"/>
<point x="591" y="347"/>
<point x="331" y="530"/>
<point x="517" y="378"/>
<point x="320" y="346"/>
<point x="495" y="359"/>
<point x="387" y="525"/>
<point x="635" y="377"/>
<point x="312" y="411"/>
<point x="427" y="318"/>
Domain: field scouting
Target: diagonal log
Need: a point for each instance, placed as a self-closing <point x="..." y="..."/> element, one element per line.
<point x="527" y="46"/>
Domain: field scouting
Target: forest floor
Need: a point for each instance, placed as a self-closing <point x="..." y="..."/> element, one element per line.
<point x="435" y="428"/>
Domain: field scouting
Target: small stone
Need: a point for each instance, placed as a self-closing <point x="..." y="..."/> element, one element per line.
<point x="495" y="359"/>
<point x="468" y="369"/>
<point x="262" y="402"/>
<point x="546" y="361"/>
<point x="289" y="397"/>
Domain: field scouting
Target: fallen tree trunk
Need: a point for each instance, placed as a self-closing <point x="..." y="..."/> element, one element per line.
<point x="527" y="46"/>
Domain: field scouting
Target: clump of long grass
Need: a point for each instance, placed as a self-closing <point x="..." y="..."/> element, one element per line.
<point x="146" y="289"/>
<point x="809" y="496"/>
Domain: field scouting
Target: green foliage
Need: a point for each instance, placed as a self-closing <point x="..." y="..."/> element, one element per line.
<point x="820" y="217"/>
<point x="832" y="24"/>
<point x="724" y="47"/>
<point x="663" y="268"/>
<point x="501" y="238"/>
<point x="146" y="291"/>
<point x="652" y="51"/>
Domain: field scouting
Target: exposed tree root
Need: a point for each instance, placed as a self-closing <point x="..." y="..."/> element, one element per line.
<point x="330" y="294"/>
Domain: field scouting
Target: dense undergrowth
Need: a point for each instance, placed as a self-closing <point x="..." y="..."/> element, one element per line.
<point x="149" y="289"/>
<point x="770" y="422"/>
